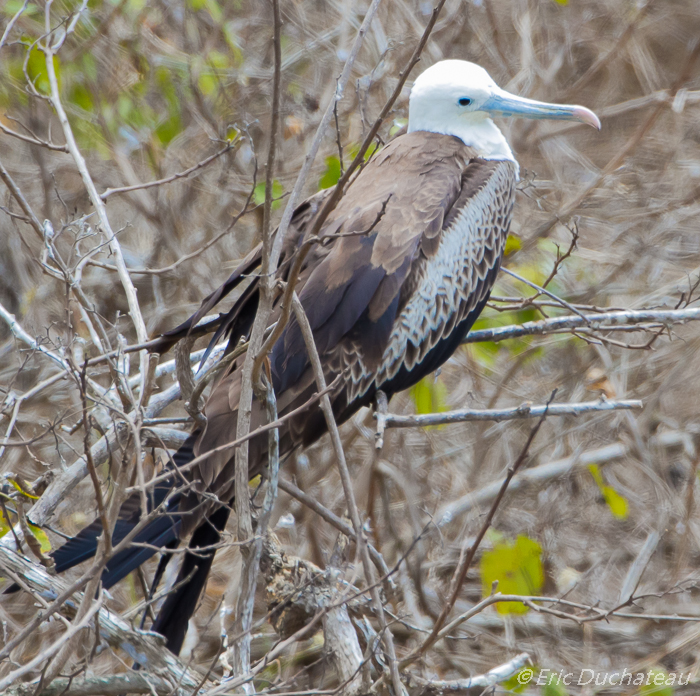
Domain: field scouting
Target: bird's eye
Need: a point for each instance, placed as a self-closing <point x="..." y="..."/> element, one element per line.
<point x="465" y="101"/>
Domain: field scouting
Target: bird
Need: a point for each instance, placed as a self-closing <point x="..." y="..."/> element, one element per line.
<point x="405" y="264"/>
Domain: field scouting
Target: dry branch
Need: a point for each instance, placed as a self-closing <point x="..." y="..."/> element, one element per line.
<point x="230" y="146"/>
<point x="143" y="647"/>
<point x="346" y="480"/>
<point x="296" y="590"/>
<point x="113" y="685"/>
<point x="476" y="684"/>
<point x="546" y="472"/>
<point x="503" y="414"/>
<point x="606" y="321"/>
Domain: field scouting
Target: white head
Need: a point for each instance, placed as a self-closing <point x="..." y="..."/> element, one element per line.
<point x="458" y="98"/>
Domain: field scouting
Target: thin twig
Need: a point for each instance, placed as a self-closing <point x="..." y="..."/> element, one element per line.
<point x="542" y="290"/>
<point x="27" y="139"/>
<point x="551" y="470"/>
<point x="230" y="145"/>
<point x="332" y="426"/>
<point x="482" y="681"/>
<point x="332" y="519"/>
<point x="114" y="246"/>
<point x="12" y="23"/>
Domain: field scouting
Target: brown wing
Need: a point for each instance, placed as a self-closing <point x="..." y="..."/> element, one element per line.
<point x="383" y="242"/>
<point x="392" y="214"/>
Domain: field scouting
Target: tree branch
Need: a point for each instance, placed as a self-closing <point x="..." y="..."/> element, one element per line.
<point x="142" y="646"/>
<point x="361" y="540"/>
<point x="605" y="321"/>
<point x="503" y="414"/>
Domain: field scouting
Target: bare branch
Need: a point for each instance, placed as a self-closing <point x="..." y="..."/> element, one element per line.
<point x="332" y="519"/>
<point x="546" y="472"/>
<point x="332" y="426"/>
<point x="543" y="290"/>
<point x="231" y="145"/>
<point x="19" y="197"/>
<point x="32" y="664"/>
<point x="607" y="321"/>
<point x="143" y="646"/>
<point x="112" y="685"/>
<point x="28" y="139"/>
<point x="503" y="414"/>
<point x="98" y="203"/>
<point x="12" y="23"/>
<point x="482" y="681"/>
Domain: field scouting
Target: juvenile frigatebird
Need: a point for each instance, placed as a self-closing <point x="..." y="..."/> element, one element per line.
<point x="411" y="253"/>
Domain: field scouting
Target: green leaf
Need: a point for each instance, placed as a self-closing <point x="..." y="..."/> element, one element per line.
<point x="259" y="194"/>
<point x="421" y="397"/>
<point x="332" y="174"/>
<point x="171" y="124"/>
<point x="38" y="74"/>
<point x="40" y="536"/>
<point x="513" y="244"/>
<point x="21" y="489"/>
<point x="168" y="129"/>
<point x="4" y="525"/>
<point x="210" y="5"/>
<point x="216" y="62"/>
<point x="556" y="688"/>
<point x="517" y="566"/>
<point x="354" y="149"/>
<point x="207" y="83"/>
<point x="562" y="2"/>
<point x="520" y="680"/>
<point x="659" y="683"/>
<point x="12" y="7"/>
<point x="429" y="396"/>
<point x="616" y="503"/>
<point x="534" y="272"/>
<point x="81" y="97"/>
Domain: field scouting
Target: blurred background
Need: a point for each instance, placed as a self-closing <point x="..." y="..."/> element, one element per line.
<point x="154" y="88"/>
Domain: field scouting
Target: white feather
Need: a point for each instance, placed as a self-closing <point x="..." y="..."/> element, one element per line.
<point x="434" y="106"/>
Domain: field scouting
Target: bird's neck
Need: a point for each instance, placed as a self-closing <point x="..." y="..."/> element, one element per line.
<point x="479" y="133"/>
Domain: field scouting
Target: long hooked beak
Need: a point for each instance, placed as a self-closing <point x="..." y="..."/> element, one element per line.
<point x="503" y="103"/>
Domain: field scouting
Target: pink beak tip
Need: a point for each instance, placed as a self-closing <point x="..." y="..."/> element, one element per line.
<point x="585" y="115"/>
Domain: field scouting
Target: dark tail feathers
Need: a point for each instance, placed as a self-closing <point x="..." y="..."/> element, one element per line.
<point x="160" y="532"/>
<point x="174" y="616"/>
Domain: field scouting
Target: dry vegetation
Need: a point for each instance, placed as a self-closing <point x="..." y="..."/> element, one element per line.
<point x="153" y="88"/>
